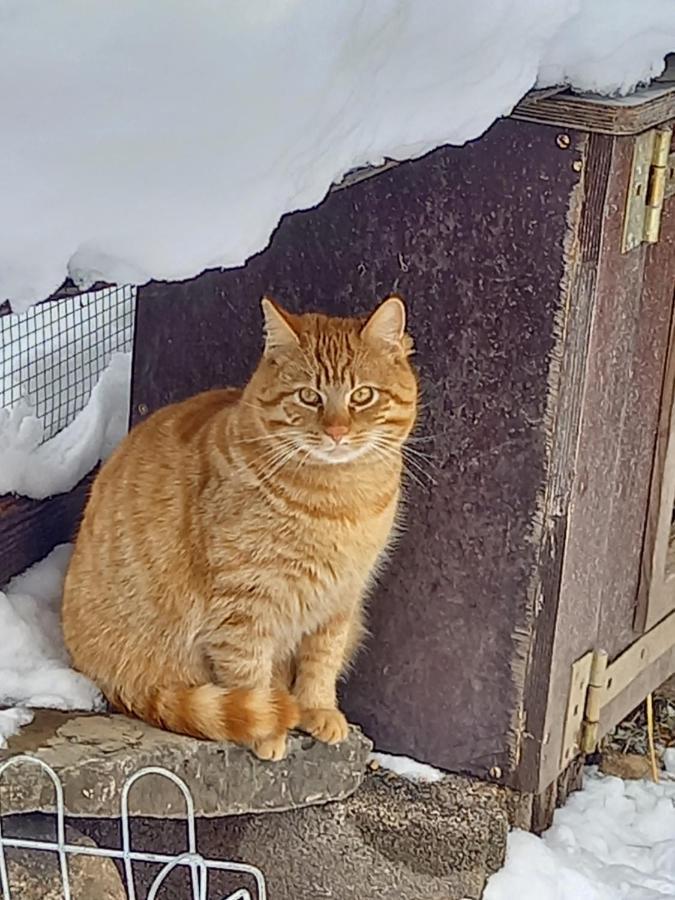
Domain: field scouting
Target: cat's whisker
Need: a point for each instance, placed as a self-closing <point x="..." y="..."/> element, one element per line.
<point x="286" y="458"/>
<point x="426" y="438"/>
<point x="280" y="436"/>
<point x="270" y="458"/>
<point x="387" y="453"/>
<point x="410" y="461"/>
<point x="412" y="466"/>
<point x="419" y="454"/>
<point x="413" y="457"/>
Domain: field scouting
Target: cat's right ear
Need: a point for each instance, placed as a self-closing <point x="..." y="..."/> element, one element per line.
<point x="279" y="331"/>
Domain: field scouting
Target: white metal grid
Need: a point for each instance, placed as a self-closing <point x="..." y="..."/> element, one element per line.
<point x="198" y="865"/>
<point x="53" y="354"/>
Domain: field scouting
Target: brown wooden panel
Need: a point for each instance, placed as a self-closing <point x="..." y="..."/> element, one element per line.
<point x="645" y="109"/>
<point x="626" y="358"/>
<point x="473" y="238"/>
<point x="657" y="597"/>
<point x="29" y="529"/>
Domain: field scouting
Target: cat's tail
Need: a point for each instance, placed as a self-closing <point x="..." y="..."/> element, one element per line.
<point x="210" y="712"/>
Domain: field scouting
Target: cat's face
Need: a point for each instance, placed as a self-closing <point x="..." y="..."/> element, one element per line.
<point x="334" y="390"/>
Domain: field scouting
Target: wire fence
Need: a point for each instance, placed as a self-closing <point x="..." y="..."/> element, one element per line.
<point x="52" y="355"/>
<point x="198" y="866"/>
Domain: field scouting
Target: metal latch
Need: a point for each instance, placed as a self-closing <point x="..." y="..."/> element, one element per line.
<point x="652" y="180"/>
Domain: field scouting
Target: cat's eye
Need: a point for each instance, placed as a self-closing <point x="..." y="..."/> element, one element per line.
<point x="362" y="396"/>
<point x="309" y="396"/>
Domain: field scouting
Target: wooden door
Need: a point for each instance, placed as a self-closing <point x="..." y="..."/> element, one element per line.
<point x="657" y="583"/>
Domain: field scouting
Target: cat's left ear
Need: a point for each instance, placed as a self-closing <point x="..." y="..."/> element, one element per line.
<point x="387" y="323"/>
<point x="279" y="331"/>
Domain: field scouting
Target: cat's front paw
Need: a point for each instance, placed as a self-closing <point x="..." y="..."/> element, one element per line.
<point x="327" y="725"/>
<point x="270" y="749"/>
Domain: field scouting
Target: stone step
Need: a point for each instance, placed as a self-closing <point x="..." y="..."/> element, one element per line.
<point x="391" y="840"/>
<point x="36" y="875"/>
<point x="94" y="755"/>
<point x="319" y="824"/>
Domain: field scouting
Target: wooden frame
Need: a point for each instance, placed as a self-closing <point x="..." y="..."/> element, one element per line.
<point x="29" y="529"/>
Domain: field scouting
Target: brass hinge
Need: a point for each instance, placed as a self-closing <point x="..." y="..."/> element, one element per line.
<point x="595" y="683"/>
<point x="652" y="181"/>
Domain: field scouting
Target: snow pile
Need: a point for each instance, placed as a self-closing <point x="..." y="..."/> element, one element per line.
<point x="156" y="140"/>
<point x="606" y="49"/>
<point x="406" y="767"/>
<point x="669" y="760"/>
<point x="34" y="666"/>
<point x="11" y="721"/>
<point x="612" y="840"/>
<point x="38" y="470"/>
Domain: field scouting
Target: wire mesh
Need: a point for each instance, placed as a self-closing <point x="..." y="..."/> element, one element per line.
<point x="199" y="866"/>
<point x="52" y="355"/>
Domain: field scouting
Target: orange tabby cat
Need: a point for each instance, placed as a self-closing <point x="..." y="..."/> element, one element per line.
<point x="217" y="582"/>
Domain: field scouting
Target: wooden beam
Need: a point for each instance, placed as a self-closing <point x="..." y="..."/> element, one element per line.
<point x="646" y="108"/>
<point x="29" y="529"/>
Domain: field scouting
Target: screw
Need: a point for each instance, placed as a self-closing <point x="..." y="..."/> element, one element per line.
<point x="577" y="165"/>
<point x="563" y="141"/>
<point x="143" y="409"/>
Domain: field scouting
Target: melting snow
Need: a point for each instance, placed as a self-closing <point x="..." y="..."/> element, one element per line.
<point x="34" y="665"/>
<point x="38" y="470"/>
<point x="615" y="839"/>
<point x="147" y="140"/>
<point x="406" y="767"/>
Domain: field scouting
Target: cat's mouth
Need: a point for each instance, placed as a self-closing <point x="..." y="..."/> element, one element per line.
<point x="338" y="453"/>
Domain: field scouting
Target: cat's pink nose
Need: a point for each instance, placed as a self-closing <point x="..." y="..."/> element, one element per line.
<point x="337" y="432"/>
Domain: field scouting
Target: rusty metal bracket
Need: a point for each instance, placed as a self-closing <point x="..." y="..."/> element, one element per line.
<point x="647" y="189"/>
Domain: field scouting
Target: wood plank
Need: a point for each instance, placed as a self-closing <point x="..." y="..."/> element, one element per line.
<point x="608" y="505"/>
<point x="644" y="109"/>
<point x="567" y="378"/>
<point x="29" y="529"/>
<point x="656" y="595"/>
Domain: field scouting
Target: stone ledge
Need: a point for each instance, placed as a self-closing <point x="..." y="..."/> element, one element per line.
<point x="391" y="840"/>
<point x="93" y="755"/>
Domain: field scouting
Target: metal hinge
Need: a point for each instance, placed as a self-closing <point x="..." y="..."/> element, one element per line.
<point x="652" y="181"/>
<point x="595" y="683"/>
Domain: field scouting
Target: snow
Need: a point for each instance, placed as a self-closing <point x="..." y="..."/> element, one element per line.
<point x="35" y="469"/>
<point x="34" y="669"/>
<point x="595" y="49"/>
<point x="669" y="760"/>
<point x="615" y="839"/>
<point x="11" y="720"/>
<point x="147" y="140"/>
<point x="406" y="767"/>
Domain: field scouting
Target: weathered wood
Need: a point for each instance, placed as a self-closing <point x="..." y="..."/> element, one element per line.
<point x="626" y="354"/>
<point x="545" y="804"/>
<point x="657" y="591"/>
<point x="566" y="392"/>
<point x="621" y="116"/>
<point x="29" y="529"/>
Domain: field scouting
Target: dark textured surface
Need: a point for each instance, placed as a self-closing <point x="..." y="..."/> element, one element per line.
<point x="472" y="238"/>
<point x="392" y="840"/>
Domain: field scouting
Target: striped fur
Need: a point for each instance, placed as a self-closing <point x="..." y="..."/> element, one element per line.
<point x="217" y="583"/>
